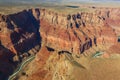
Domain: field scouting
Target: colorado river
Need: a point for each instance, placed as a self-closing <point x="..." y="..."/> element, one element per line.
<point x="98" y="54"/>
<point x="21" y="66"/>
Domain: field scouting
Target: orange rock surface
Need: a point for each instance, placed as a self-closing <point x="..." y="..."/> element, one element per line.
<point x="56" y="33"/>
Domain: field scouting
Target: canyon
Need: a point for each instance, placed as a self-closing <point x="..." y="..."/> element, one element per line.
<point x="63" y="44"/>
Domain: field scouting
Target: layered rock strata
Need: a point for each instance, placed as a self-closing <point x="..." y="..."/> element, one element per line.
<point x="23" y="33"/>
<point x="75" y="33"/>
<point x="19" y="33"/>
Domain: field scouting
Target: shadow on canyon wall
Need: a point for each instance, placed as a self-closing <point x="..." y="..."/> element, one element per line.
<point x="29" y="35"/>
<point x="6" y="63"/>
<point x="23" y="28"/>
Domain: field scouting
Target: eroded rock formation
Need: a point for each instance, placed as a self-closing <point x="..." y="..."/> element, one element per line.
<point x="75" y="33"/>
<point x="25" y="32"/>
<point x="19" y="33"/>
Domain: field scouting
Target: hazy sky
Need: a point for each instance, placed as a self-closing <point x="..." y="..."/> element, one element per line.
<point x="31" y="1"/>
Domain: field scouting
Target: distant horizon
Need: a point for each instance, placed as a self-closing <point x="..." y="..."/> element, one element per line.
<point x="59" y="1"/>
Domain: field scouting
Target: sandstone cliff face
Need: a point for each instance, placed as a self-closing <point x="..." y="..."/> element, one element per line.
<point x="23" y="33"/>
<point x="113" y="19"/>
<point x="19" y="33"/>
<point x="68" y="37"/>
<point x="76" y="32"/>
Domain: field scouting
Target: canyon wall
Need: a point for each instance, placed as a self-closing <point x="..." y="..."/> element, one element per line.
<point x="19" y="33"/>
<point x="64" y="38"/>
<point x="23" y="33"/>
<point x="75" y="33"/>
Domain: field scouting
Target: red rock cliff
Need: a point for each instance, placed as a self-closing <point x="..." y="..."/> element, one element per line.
<point x="22" y="33"/>
<point x="19" y="34"/>
<point x="75" y="32"/>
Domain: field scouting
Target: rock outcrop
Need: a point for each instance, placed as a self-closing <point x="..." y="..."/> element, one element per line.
<point x="19" y="33"/>
<point x="68" y="36"/>
<point x="25" y="32"/>
<point x="75" y="33"/>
